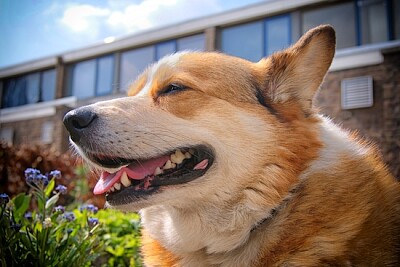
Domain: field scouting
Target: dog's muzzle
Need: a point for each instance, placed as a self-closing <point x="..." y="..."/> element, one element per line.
<point x="79" y="121"/>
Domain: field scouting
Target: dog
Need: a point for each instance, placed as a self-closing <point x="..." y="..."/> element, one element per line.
<point x="230" y="164"/>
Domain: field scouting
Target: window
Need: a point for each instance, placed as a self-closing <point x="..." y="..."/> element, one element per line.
<point x="105" y="75"/>
<point x="7" y="135"/>
<point x="166" y="48"/>
<point x="194" y="43"/>
<point x="277" y="34"/>
<point x="83" y="79"/>
<point x="47" y="132"/>
<point x="340" y="16"/>
<point x="255" y="40"/>
<point x="29" y="89"/>
<point x="396" y="16"/>
<point x="373" y="21"/>
<point x="91" y="78"/>
<point x="133" y="63"/>
<point x="243" y="41"/>
<point x="32" y="82"/>
<point x="48" y="85"/>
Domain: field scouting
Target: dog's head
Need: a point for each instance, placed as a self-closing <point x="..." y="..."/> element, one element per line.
<point x="201" y="129"/>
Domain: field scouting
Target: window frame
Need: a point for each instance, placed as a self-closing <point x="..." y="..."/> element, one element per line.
<point x="24" y="76"/>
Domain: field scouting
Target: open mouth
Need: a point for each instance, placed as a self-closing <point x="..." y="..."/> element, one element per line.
<point x="140" y="178"/>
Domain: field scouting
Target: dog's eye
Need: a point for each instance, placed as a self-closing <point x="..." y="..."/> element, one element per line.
<point x="172" y="88"/>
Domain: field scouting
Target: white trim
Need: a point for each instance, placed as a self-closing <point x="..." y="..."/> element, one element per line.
<point x="34" y="111"/>
<point x="356" y="61"/>
<point x="36" y="65"/>
<point x="361" y="56"/>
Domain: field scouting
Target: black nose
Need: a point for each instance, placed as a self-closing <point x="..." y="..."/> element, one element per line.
<point x="79" y="120"/>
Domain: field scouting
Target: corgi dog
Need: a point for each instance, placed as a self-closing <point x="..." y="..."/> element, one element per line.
<point x="230" y="164"/>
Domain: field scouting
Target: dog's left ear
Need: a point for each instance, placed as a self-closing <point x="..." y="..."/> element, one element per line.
<point x="297" y="72"/>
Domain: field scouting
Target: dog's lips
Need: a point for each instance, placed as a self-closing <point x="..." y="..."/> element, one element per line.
<point x="134" y="171"/>
<point x="145" y="177"/>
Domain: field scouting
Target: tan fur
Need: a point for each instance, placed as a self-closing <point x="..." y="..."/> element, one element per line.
<point x="288" y="187"/>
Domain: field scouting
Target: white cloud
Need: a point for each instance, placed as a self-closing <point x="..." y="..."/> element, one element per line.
<point x="84" y="18"/>
<point x="120" y="20"/>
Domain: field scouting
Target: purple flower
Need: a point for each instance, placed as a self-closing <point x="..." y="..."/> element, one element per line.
<point x="33" y="176"/>
<point x="4" y="198"/>
<point x="28" y="215"/>
<point x="61" y="189"/>
<point x="92" y="222"/>
<point x="60" y="209"/>
<point x="69" y="216"/>
<point x="89" y="207"/>
<point x="55" y="174"/>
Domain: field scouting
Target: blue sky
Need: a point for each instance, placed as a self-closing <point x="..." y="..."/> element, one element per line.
<point x="32" y="29"/>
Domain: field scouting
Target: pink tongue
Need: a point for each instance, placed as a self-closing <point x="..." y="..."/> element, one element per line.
<point x="136" y="171"/>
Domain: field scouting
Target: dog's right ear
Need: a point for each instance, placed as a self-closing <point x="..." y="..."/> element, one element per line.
<point x="297" y="72"/>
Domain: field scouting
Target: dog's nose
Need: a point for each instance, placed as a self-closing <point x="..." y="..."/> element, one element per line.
<point x="78" y="120"/>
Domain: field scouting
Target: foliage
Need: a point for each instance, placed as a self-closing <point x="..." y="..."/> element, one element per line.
<point x="14" y="160"/>
<point x="119" y="232"/>
<point x="45" y="223"/>
<point x="47" y="235"/>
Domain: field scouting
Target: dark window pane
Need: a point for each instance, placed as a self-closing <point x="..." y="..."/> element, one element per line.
<point x="83" y="79"/>
<point x="14" y="92"/>
<point x="133" y="63"/>
<point x="244" y="41"/>
<point x="48" y="85"/>
<point x="277" y="34"/>
<point x="341" y="17"/>
<point x="164" y="49"/>
<point x="105" y="74"/>
<point x="194" y="43"/>
<point x="374" y="27"/>
<point x="396" y="16"/>
<point x="32" y="87"/>
<point x="8" y="90"/>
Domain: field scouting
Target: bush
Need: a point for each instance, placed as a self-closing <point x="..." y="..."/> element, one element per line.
<point x="119" y="233"/>
<point x="49" y="235"/>
<point x="14" y="160"/>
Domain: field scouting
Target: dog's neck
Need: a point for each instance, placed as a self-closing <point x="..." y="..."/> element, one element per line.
<point x="184" y="231"/>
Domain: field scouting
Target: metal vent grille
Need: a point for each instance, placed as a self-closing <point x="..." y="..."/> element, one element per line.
<point x="357" y="92"/>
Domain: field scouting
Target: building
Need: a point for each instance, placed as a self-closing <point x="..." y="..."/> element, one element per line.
<point x="361" y="90"/>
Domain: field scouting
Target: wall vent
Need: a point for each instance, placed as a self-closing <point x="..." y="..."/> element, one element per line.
<point x="357" y="92"/>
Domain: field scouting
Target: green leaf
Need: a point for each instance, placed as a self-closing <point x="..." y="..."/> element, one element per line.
<point x="49" y="188"/>
<point x="21" y="203"/>
<point x="52" y="201"/>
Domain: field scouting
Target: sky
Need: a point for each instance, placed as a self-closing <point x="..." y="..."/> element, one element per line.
<point x="33" y="29"/>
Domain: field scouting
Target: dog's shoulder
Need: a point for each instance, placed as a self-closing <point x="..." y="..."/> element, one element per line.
<point x="154" y="254"/>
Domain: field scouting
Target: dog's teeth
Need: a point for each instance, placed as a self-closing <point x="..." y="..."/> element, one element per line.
<point x="179" y="156"/>
<point x="158" y="171"/>
<point x="173" y="158"/>
<point x="117" y="186"/>
<point x="112" y="189"/>
<point x="125" y="180"/>
<point x="168" y="165"/>
<point x="188" y="155"/>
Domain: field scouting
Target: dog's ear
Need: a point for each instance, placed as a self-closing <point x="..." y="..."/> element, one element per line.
<point x="297" y="72"/>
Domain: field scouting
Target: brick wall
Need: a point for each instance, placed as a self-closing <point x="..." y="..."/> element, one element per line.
<point x="30" y="131"/>
<point x="380" y="123"/>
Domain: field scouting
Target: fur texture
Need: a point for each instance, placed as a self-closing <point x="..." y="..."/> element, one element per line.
<point x="287" y="187"/>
